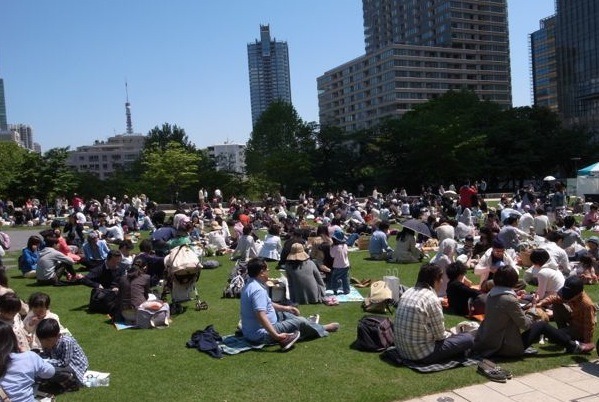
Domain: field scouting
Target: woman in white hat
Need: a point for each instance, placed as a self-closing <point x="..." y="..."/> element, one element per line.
<point x="306" y="285"/>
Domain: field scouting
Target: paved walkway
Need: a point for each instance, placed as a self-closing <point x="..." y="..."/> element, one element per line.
<point x="578" y="383"/>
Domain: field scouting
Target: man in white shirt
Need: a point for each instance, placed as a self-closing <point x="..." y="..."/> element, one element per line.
<point x="526" y="220"/>
<point x="559" y="255"/>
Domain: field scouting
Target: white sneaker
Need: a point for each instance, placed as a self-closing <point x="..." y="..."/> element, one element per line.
<point x="315" y="318"/>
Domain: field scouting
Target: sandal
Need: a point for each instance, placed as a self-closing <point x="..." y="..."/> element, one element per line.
<point x="201" y="306"/>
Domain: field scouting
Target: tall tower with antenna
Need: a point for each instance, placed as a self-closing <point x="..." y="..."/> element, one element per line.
<point x="128" y="111"/>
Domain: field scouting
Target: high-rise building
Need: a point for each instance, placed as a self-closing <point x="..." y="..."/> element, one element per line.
<point x="268" y="64"/>
<point x="543" y="65"/>
<point x="3" y="119"/>
<point x="417" y="50"/>
<point x="25" y="134"/>
<point x="577" y="39"/>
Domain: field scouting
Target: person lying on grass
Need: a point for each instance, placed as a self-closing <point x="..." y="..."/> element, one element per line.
<point x="263" y="321"/>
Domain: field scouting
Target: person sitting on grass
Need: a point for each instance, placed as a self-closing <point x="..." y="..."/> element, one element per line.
<point x="30" y="256"/>
<point x="107" y="275"/>
<point x="507" y="331"/>
<point x="573" y="310"/>
<point x="10" y="308"/>
<point x="586" y="270"/>
<point x="53" y="265"/>
<point x="406" y="251"/>
<point x="459" y="295"/>
<point x="266" y="322"/>
<point x="378" y="247"/>
<point x="95" y="251"/>
<point x="39" y="308"/>
<point x="419" y="326"/>
<point x="153" y="263"/>
<point x="64" y="353"/>
<point x="19" y="370"/>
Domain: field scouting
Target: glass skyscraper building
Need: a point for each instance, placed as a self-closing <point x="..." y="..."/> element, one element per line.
<point x="577" y="41"/>
<point x="565" y="63"/>
<point x="268" y="64"/>
<point x="543" y="64"/>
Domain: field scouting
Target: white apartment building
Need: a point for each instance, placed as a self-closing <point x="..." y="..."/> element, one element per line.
<point x="228" y="157"/>
<point x="103" y="158"/>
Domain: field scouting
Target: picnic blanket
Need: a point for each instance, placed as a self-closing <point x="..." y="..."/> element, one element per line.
<point x="122" y="325"/>
<point x="352" y="296"/>
<point x="232" y="345"/>
<point x="391" y="356"/>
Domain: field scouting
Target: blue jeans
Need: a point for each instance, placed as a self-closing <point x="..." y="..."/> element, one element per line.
<point x="339" y="274"/>
<point x="287" y="322"/>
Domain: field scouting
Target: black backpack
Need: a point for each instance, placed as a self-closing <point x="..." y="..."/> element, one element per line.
<point x="375" y="334"/>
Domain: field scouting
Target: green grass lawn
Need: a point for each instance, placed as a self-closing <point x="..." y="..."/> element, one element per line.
<point x="155" y="364"/>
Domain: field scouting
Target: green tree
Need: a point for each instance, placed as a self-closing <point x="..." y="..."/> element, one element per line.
<point x="43" y="176"/>
<point x="162" y="136"/>
<point x="440" y="141"/>
<point x="11" y="158"/>
<point x="171" y="173"/>
<point x="280" y="148"/>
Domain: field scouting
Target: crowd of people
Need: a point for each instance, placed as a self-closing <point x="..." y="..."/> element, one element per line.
<point x="311" y="240"/>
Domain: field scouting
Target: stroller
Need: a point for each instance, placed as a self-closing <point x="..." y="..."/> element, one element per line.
<point x="182" y="268"/>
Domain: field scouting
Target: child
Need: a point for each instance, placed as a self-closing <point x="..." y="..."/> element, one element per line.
<point x="340" y="270"/>
<point x="64" y="353"/>
<point x="10" y="306"/>
<point x="586" y="271"/>
<point x="39" y="308"/>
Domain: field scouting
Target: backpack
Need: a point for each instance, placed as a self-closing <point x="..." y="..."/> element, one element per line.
<point x="182" y="260"/>
<point x="4" y="240"/>
<point x="375" y="334"/>
<point x="233" y="289"/>
<point x="237" y="279"/>
<point x="380" y="299"/>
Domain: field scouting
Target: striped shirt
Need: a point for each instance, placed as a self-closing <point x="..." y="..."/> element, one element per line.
<point x="418" y="323"/>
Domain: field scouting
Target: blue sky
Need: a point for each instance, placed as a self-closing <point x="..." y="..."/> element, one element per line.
<point x="65" y="62"/>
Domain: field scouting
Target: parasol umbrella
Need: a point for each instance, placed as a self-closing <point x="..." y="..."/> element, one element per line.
<point x="417" y="226"/>
<point x="450" y="194"/>
<point x="549" y="178"/>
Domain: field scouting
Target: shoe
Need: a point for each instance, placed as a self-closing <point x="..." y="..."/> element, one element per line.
<point x="489" y="364"/>
<point x="315" y="318"/>
<point x="289" y="341"/>
<point x="493" y="373"/>
<point x="583" y="348"/>
<point x="530" y="351"/>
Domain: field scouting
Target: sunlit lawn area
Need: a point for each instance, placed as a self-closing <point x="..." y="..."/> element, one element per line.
<point x="155" y="364"/>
